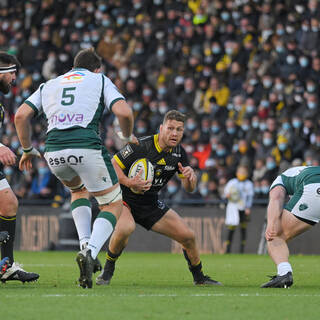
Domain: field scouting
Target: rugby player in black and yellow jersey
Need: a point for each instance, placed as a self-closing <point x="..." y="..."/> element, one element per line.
<point x="168" y="157"/>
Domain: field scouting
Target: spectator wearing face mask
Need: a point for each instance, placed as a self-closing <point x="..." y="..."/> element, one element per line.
<point x="282" y="151"/>
<point x="265" y="145"/>
<point x="271" y="169"/>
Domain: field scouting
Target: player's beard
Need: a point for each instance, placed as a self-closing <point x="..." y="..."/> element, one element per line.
<point x="4" y="87"/>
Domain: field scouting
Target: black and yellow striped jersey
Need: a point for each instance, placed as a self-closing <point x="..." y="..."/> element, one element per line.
<point x="165" y="163"/>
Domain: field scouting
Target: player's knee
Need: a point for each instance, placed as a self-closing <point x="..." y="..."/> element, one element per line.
<point x="188" y="239"/>
<point x="125" y="230"/>
<point x="10" y="206"/>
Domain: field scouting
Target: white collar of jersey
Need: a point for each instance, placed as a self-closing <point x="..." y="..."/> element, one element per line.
<point x="12" y="68"/>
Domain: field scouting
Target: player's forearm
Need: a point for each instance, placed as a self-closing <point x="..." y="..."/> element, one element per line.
<point x="125" y="116"/>
<point x="276" y="204"/>
<point x="23" y="127"/>
<point x="123" y="179"/>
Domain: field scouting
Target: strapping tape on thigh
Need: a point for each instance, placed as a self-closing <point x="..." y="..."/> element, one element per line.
<point x="110" y="197"/>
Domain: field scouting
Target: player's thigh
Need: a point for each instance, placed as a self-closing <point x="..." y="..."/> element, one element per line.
<point x="174" y="227"/>
<point x="292" y="226"/>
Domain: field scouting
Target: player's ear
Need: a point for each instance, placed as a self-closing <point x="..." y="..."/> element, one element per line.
<point x="161" y="127"/>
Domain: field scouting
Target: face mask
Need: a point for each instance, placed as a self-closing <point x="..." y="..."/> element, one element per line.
<point x="291" y="59"/>
<point x="225" y="16"/>
<point x="106" y="23"/>
<point x="221" y="152"/>
<point x="265" y="103"/>
<point x="36" y="77"/>
<point x="253" y="82"/>
<point x="245" y="127"/>
<point x="255" y="124"/>
<point x="296" y="124"/>
<point x="162" y="91"/>
<point x="131" y="20"/>
<point x="172" y="189"/>
<point x="134" y="73"/>
<point x="160" y="52"/>
<point x="123" y="73"/>
<point x="256" y="189"/>
<point x="79" y="24"/>
<point x="137" y="5"/>
<point x="262" y="126"/>
<point x="290" y="29"/>
<point x="102" y="7"/>
<point x="42" y="148"/>
<point x="230" y="106"/>
<point x="311" y="105"/>
<point x="243" y="149"/>
<point x="216" y="50"/>
<point x="204" y="191"/>
<point x="279" y="86"/>
<point x="286" y="126"/>
<point x="231" y="130"/>
<point x="280" y="32"/>
<point x="163" y="109"/>
<point x="229" y="51"/>
<point x="121" y="21"/>
<point x="241" y="177"/>
<point x="282" y="146"/>
<point x="264" y="189"/>
<point x="311" y="88"/>
<point x="267" y="142"/>
<point x="235" y="148"/>
<point x="8" y="171"/>
<point x="137" y="106"/>
<point x="303" y="62"/>
<point x="86" y="39"/>
<point x="34" y="42"/>
<point x="213" y="146"/>
<point x="191" y="126"/>
<point x="147" y="92"/>
<point x="235" y="15"/>
<point x="270" y="165"/>
<point x="141" y="130"/>
<point x="315" y="29"/>
<point x="18" y="99"/>
<point x="279" y="49"/>
<point x="43" y="170"/>
<point x="267" y="83"/>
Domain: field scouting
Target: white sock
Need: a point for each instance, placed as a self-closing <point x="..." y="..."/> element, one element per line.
<point x="101" y="231"/>
<point x="284" y="268"/>
<point x="81" y="213"/>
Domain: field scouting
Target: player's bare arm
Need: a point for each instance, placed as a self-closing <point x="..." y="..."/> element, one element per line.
<point x="136" y="182"/>
<point x="7" y="157"/>
<point x="189" y="180"/>
<point x="275" y="207"/>
<point x="22" y="121"/>
<point x="125" y="116"/>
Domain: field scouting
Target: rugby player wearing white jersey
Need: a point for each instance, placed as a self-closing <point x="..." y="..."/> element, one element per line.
<point x="73" y="104"/>
<point x="287" y="220"/>
<point x="10" y="270"/>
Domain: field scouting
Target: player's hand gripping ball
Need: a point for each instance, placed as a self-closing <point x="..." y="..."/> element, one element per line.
<point x="142" y="167"/>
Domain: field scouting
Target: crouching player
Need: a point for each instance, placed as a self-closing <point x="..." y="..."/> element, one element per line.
<point x="166" y="154"/>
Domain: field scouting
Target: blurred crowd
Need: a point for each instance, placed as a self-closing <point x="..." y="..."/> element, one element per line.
<point x="245" y="72"/>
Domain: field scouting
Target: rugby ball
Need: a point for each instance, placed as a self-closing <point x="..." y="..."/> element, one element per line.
<point x="147" y="169"/>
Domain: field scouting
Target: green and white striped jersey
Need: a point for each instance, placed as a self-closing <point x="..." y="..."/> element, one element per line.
<point x="73" y="104"/>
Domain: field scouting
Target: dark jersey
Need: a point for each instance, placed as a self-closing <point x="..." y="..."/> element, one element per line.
<point x="165" y="165"/>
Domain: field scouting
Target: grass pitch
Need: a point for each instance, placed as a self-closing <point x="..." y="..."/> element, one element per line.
<point x="159" y="286"/>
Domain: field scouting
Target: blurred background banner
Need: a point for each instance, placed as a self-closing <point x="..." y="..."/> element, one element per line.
<point x="48" y="228"/>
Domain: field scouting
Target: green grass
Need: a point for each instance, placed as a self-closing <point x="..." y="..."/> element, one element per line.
<point x="159" y="286"/>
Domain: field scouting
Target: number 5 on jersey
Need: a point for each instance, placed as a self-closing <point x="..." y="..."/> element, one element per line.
<point x="68" y="96"/>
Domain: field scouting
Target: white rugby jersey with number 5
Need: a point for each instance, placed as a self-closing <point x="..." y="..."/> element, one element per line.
<point x="75" y="102"/>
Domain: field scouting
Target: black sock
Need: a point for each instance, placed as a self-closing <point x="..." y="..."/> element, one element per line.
<point x="8" y="224"/>
<point x="243" y="239"/>
<point x="111" y="258"/>
<point x="230" y="238"/>
<point x="195" y="270"/>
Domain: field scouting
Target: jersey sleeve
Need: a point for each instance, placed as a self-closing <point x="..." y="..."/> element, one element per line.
<point x="184" y="161"/>
<point x="250" y="194"/>
<point x="128" y="155"/>
<point x="35" y="101"/>
<point x="111" y="93"/>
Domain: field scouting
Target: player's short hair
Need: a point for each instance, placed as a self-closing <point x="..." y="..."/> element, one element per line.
<point x="174" y="115"/>
<point x="7" y="59"/>
<point x="87" y="59"/>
